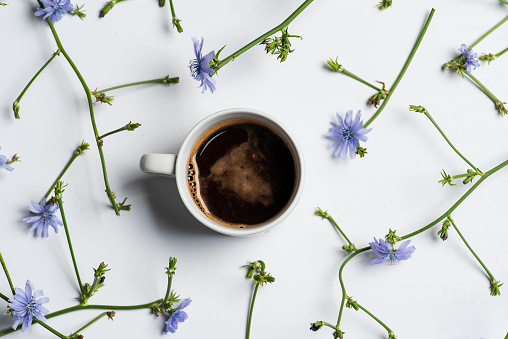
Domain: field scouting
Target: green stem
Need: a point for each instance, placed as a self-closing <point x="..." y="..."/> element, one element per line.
<point x="49" y="328"/>
<point x="175" y="20"/>
<point x="348" y="73"/>
<point x="256" y="41"/>
<point x="165" y="80"/>
<point x="505" y="2"/>
<point x="18" y="99"/>
<point x="375" y="318"/>
<point x="102" y="307"/>
<point x="403" y="71"/>
<point x="90" y="323"/>
<point x="113" y="132"/>
<point x="4" y="297"/>
<point x="490" y="31"/>
<point x="427" y="114"/>
<point x="4" y="266"/>
<point x="501" y="53"/>
<point x="341" y="281"/>
<point x="92" y="116"/>
<point x="69" y="163"/>
<point x="168" y="290"/>
<point x="329" y="217"/>
<point x="60" y="204"/>
<point x="485" y="90"/>
<point x="472" y="251"/>
<point x="249" y="321"/>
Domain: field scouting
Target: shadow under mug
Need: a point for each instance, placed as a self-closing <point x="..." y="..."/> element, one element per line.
<point x="176" y="165"/>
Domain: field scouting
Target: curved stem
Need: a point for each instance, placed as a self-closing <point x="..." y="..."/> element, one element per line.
<point x="341" y="281"/>
<point x="165" y="80"/>
<point x="249" y="321"/>
<point x="4" y="266"/>
<point x="256" y="41"/>
<point x="92" y="115"/>
<point x="427" y="114"/>
<point x="18" y="99"/>
<point x="472" y="251"/>
<point x="175" y="20"/>
<point x="168" y="290"/>
<point x="403" y="71"/>
<point x="67" y="234"/>
<point x="489" y="31"/>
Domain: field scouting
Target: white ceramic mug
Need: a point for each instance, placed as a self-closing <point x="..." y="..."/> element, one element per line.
<point x="176" y="165"/>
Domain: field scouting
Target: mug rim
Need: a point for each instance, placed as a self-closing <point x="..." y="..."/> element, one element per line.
<point x="187" y="146"/>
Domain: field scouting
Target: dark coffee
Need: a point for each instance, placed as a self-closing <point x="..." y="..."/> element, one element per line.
<point x="241" y="173"/>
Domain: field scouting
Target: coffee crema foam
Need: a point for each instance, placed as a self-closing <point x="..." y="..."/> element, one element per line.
<point x="241" y="173"/>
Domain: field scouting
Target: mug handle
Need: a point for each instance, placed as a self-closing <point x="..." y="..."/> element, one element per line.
<point x="161" y="164"/>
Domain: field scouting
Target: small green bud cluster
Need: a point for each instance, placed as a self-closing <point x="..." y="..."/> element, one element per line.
<point x="381" y="95"/>
<point x="321" y="213"/>
<point x="132" y="126"/>
<point x="443" y="232"/>
<point x="109" y="6"/>
<point x="168" y="80"/>
<point x="256" y="271"/>
<point x="338" y="334"/>
<point x="418" y="109"/>
<point x="170" y="270"/>
<point x="280" y="46"/>
<point x="334" y="65"/>
<point x="349" y="248"/>
<point x="82" y="148"/>
<point x="102" y="97"/>
<point x="384" y="4"/>
<point x="500" y="108"/>
<point x="487" y="57"/>
<point x="98" y="282"/>
<point x="122" y="206"/>
<point x="79" y="12"/>
<point x="59" y="189"/>
<point x="494" y="287"/>
<point x="316" y="326"/>
<point x="361" y="151"/>
<point x="392" y="237"/>
<point x="350" y="303"/>
<point x="447" y="179"/>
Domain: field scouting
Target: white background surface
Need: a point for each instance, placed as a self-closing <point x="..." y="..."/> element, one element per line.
<point x="442" y="292"/>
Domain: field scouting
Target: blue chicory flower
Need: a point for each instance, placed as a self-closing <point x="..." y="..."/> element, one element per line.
<point x="26" y="305"/>
<point x="200" y="67"/>
<point x="55" y="9"/>
<point x="45" y="217"/>
<point x="3" y="162"/>
<point x="178" y="316"/>
<point x="385" y="251"/>
<point x="347" y="133"/>
<point x="471" y="58"/>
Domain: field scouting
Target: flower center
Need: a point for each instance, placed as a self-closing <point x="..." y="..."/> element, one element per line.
<point x="31" y="307"/>
<point x="346" y="133"/>
<point x="195" y="68"/>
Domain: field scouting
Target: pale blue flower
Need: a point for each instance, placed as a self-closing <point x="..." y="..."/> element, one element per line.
<point x="45" y="217"/>
<point x="385" y="251"/>
<point x="3" y="162"/>
<point x="347" y="133"/>
<point x="200" y="67"/>
<point x="55" y="9"/>
<point x="471" y="58"/>
<point x="26" y="305"/>
<point x="178" y="316"/>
